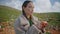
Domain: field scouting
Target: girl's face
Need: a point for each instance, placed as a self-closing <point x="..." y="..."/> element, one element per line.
<point x="29" y="8"/>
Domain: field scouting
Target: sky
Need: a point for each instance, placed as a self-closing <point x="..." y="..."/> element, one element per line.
<point x="41" y="6"/>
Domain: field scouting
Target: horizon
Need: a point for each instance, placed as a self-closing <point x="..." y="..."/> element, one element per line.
<point x="41" y="6"/>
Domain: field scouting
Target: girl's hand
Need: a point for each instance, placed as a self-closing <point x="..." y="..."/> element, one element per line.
<point x="42" y="25"/>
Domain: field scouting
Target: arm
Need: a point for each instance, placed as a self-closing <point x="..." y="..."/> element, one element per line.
<point x="17" y="28"/>
<point x="34" y="30"/>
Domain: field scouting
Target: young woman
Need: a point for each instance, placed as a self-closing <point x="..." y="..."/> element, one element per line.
<point x="27" y="23"/>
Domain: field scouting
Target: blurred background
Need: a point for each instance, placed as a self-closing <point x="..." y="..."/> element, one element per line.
<point x="48" y="10"/>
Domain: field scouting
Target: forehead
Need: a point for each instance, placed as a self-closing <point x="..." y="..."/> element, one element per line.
<point x="30" y="4"/>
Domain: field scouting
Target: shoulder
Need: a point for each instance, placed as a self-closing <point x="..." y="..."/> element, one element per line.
<point x="18" y="19"/>
<point x="35" y="18"/>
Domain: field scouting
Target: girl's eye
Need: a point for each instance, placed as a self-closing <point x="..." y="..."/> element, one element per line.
<point x="29" y="6"/>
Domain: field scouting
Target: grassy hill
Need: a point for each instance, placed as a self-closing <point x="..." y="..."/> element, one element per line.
<point x="8" y="13"/>
<point x="52" y="18"/>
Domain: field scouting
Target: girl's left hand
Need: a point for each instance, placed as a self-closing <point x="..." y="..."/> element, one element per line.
<point x="43" y="24"/>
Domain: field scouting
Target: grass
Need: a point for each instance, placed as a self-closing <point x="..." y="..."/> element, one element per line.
<point x="8" y="13"/>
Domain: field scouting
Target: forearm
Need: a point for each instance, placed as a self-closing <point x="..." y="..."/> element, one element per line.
<point x="33" y="30"/>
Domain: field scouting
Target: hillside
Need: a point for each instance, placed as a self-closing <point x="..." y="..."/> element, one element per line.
<point x="8" y="16"/>
<point x="52" y="18"/>
<point x="8" y="13"/>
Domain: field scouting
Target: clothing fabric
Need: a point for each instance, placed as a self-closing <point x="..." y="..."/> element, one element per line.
<point x="24" y="26"/>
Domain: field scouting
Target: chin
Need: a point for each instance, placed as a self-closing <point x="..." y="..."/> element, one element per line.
<point x="30" y="13"/>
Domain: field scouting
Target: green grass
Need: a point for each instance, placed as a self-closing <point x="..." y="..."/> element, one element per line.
<point x="52" y="18"/>
<point x="8" y="13"/>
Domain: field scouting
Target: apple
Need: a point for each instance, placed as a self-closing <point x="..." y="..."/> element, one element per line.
<point x="44" y="24"/>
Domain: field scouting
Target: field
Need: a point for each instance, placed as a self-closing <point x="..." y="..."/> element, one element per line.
<point x="8" y="16"/>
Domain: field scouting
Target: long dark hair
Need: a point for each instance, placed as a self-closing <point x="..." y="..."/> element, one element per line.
<point x="25" y="5"/>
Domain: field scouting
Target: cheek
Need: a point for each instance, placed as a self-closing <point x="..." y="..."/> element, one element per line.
<point x="28" y="10"/>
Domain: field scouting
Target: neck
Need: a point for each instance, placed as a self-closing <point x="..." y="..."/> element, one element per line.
<point x="27" y="15"/>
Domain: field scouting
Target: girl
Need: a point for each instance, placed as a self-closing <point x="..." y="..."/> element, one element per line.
<point x="27" y="23"/>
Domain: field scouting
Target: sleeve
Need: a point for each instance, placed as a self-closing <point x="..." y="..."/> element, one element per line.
<point x="34" y="30"/>
<point x="17" y="24"/>
<point x="17" y="28"/>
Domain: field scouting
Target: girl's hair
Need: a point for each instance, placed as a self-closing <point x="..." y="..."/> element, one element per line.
<point x="25" y="5"/>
